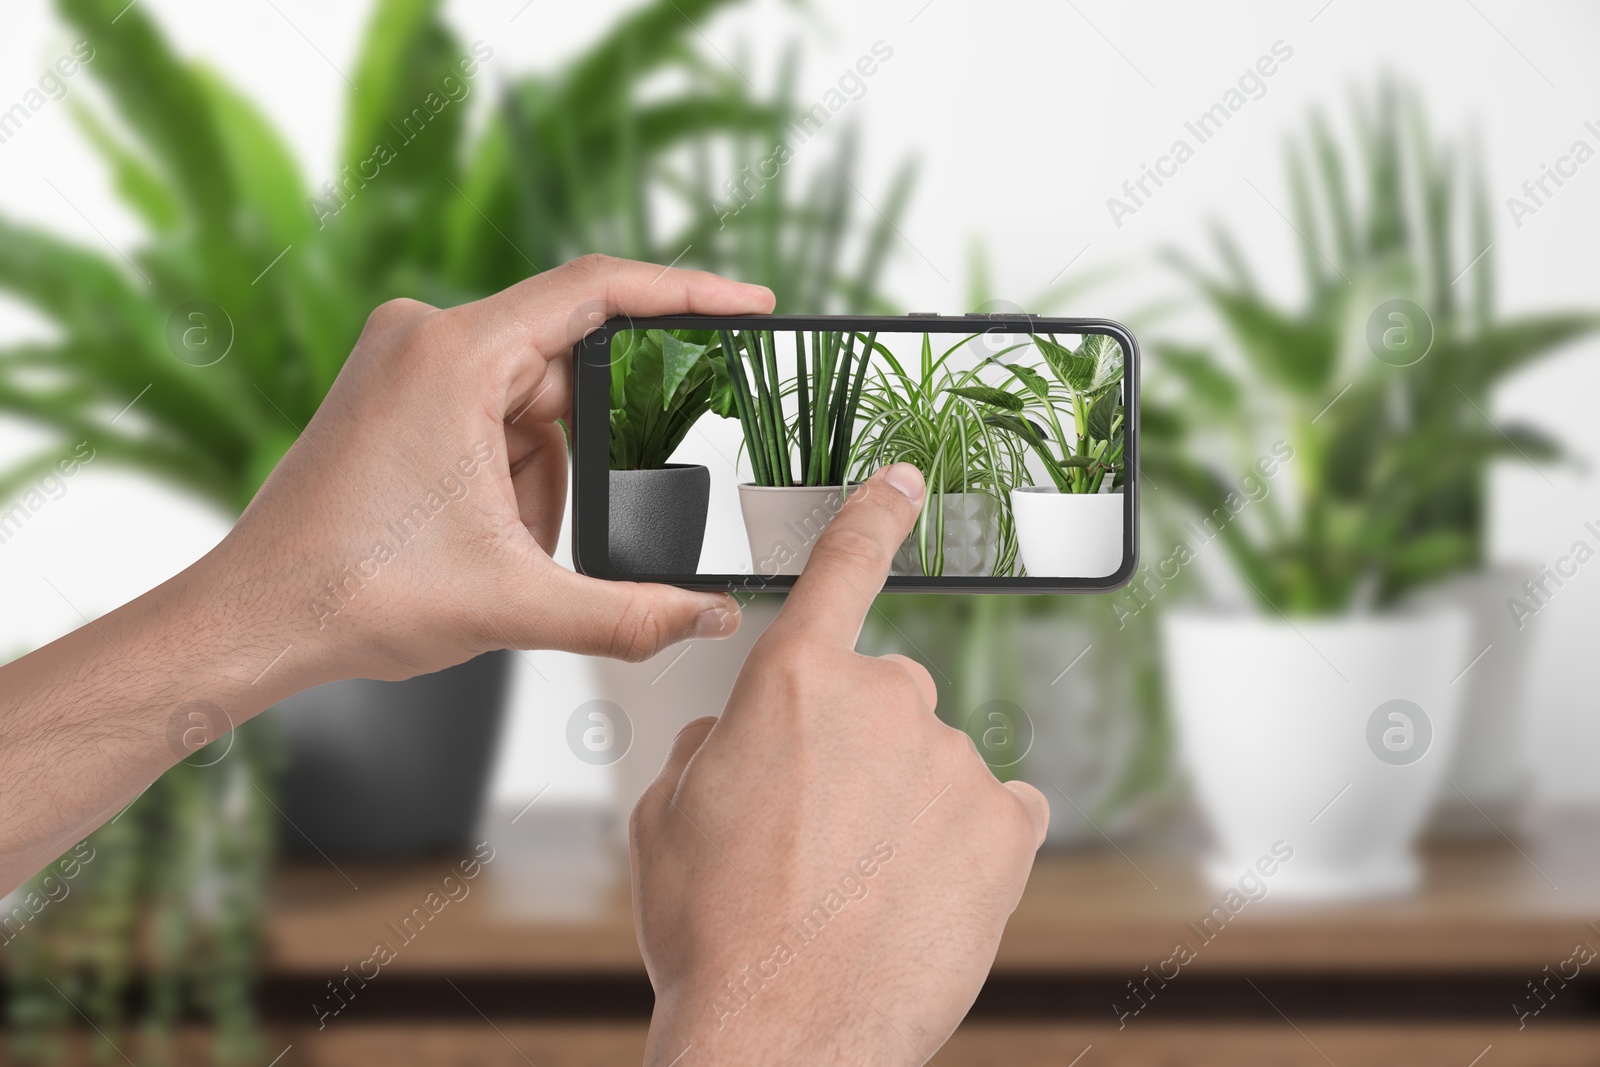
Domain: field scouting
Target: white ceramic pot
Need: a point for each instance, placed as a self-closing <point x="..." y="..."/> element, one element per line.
<point x="1291" y="733"/>
<point x="1068" y="535"/>
<point x="1488" y="774"/>
<point x="783" y="522"/>
<point x="971" y="538"/>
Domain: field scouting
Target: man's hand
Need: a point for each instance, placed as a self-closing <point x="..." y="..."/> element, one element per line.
<point x="410" y="526"/>
<point x="408" y="529"/>
<point x="821" y="875"/>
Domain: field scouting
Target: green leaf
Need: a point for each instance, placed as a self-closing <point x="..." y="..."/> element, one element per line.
<point x="678" y="358"/>
<point x="137" y="182"/>
<point x="1075" y="370"/>
<point x="986" y="394"/>
<point x="1031" y="378"/>
<point x="1103" y="415"/>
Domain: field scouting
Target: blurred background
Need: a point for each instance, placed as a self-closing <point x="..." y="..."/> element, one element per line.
<point x="1356" y="243"/>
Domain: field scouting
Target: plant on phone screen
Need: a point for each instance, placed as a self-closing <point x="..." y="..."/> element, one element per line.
<point x="1086" y="381"/>
<point x="662" y="381"/>
<point x="932" y="421"/>
<point x="827" y="389"/>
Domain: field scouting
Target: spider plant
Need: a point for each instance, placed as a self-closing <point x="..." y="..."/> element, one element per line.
<point x="1390" y="461"/>
<point x="935" y="420"/>
<point x="1088" y="377"/>
<point x="827" y="388"/>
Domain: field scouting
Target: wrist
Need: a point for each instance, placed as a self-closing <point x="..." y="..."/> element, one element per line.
<point x="737" y="1023"/>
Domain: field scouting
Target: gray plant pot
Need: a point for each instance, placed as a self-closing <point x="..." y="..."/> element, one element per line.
<point x="385" y="770"/>
<point x="658" y="519"/>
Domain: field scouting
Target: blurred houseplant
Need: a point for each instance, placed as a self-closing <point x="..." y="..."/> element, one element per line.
<point x="1376" y="385"/>
<point x="226" y="327"/>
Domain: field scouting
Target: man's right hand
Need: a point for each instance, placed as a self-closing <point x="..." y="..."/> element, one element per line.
<point x="822" y="875"/>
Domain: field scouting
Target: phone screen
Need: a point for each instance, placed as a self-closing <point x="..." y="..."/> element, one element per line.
<point x="732" y="444"/>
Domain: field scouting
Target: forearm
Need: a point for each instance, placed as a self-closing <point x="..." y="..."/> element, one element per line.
<point x="89" y="721"/>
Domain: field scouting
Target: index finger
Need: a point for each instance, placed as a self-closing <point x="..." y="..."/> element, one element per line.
<point x="538" y="320"/>
<point x="851" y="559"/>
<point x="555" y="310"/>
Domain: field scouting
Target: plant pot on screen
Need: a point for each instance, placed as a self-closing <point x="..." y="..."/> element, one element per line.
<point x="934" y="421"/>
<point x="1320" y="742"/>
<point x="1073" y="527"/>
<point x="961" y="539"/>
<point x="388" y="770"/>
<point x="784" y="522"/>
<point x="793" y="497"/>
<point x="1068" y="535"/>
<point x="661" y="382"/>
<point x="658" y="519"/>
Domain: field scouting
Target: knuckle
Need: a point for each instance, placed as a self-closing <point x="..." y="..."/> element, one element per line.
<point x="591" y="263"/>
<point x="397" y="312"/>
<point x="850" y="546"/>
<point x="899" y="676"/>
<point x="694" y="726"/>
<point x="637" y="830"/>
<point x="640" y="631"/>
<point x="793" y="668"/>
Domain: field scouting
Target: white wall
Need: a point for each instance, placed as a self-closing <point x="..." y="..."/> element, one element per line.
<point x="1027" y="115"/>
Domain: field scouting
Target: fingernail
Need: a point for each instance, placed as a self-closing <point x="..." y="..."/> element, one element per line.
<point x="715" y="622"/>
<point x="906" y="478"/>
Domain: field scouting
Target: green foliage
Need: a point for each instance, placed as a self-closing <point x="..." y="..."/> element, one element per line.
<point x="935" y="421"/>
<point x="827" y="386"/>
<point x="1389" y="461"/>
<point x="662" y="382"/>
<point x="1085" y="382"/>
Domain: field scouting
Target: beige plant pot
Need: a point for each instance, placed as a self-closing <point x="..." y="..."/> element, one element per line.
<point x="784" y="522"/>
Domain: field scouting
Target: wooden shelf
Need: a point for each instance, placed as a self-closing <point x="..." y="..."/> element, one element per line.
<point x="543" y="911"/>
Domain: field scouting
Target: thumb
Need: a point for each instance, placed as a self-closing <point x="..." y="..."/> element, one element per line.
<point x="623" y="620"/>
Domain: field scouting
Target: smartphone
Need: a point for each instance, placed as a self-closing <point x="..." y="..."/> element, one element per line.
<point x="711" y="452"/>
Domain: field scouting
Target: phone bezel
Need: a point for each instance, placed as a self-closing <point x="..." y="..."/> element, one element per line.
<point x="591" y="445"/>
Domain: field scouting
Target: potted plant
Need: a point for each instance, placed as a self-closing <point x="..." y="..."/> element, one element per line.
<point x="970" y="465"/>
<point x="799" y="470"/>
<point x="1073" y="527"/>
<point x="662" y="381"/>
<point x="1325" y="718"/>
